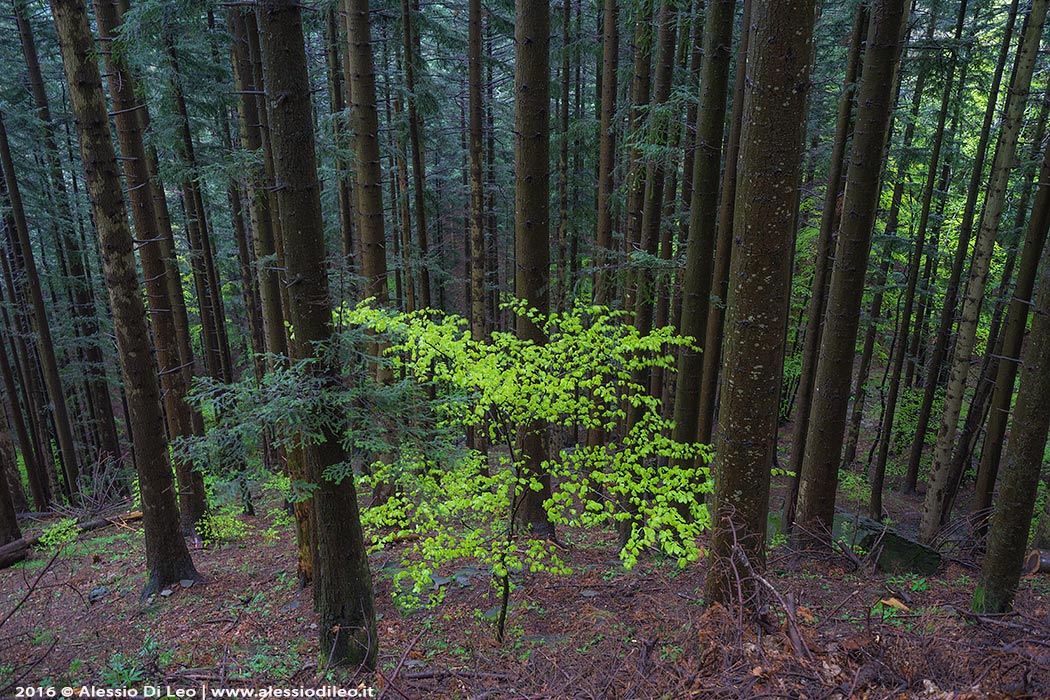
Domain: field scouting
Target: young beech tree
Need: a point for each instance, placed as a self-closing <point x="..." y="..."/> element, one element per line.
<point x="167" y="557"/>
<point x="343" y="584"/>
<point x="760" y="281"/>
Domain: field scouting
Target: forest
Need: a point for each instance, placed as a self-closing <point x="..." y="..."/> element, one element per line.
<point x="525" y="349"/>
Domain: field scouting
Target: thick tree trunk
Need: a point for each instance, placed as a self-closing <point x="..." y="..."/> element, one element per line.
<point x="131" y="118"/>
<point x="343" y="584"/>
<point x="760" y="283"/>
<point x="167" y="558"/>
<point x="935" y="504"/>
<point x="819" y="477"/>
<point x="532" y="225"/>
<point x="369" y="176"/>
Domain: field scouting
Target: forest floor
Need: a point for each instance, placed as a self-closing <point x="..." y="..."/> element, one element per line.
<point x="601" y="632"/>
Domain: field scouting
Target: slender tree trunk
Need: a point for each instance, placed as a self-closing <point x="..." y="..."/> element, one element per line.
<point x="416" y="146"/>
<point x="1008" y="535"/>
<point x="478" y="296"/>
<point x="83" y="300"/>
<point x="829" y="221"/>
<point x="641" y="84"/>
<point x="703" y="212"/>
<point x="819" y="480"/>
<point x="770" y="163"/>
<point x="167" y="558"/>
<point x="723" y="243"/>
<point x="606" y="153"/>
<point x="936" y="501"/>
<point x="937" y="357"/>
<point x="1013" y="338"/>
<point x="41" y="324"/>
<point x="38" y="486"/>
<point x="899" y="355"/>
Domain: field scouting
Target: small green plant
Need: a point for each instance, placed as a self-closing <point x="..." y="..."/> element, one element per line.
<point x="123" y="671"/>
<point x="218" y="527"/>
<point x="910" y="582"/>
<point x="59" y="533"/>
<point x="855" y="487"/>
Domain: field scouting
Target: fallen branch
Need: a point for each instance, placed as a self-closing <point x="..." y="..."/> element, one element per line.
<point x="16" y="551"/>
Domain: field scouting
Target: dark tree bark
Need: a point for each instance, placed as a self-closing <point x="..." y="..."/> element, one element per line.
<point x="606" y="153"/>
<point x="369" y="175"/>
<point x="760" y="280"/>
<point x="343" y="585"/>
<point x="415" y="138"/>
<point x="167" y="558"/>
<point x="532" y="223"/>
<point x="878" y="471"/>
<point x="819" y="478"/>
<point x="161" y="278"/>
<point x="478" y="296"/>
<point x="83" y="299"/>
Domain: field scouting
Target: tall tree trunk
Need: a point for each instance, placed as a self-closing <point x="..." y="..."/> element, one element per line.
<point x="723" y="242"/>
<point x="532" y="225"/>
<point x="343" y="584"/>
<point x="478" y="295"/>
<point x="819" y="479"/>
<point x="703" y="212"/>
<point x="83" y="299"/>
<point x="369" y="176"/>
<point x="606" y="153"/>
<point x="337" y="101"/>
<point x="937" y="357"/>
<point x="38" y="486"/>
<point x="41" y="324"/>
<point x="641" y="84"/>
<point x="935" y="504"/>
<point x="829" y="221"/>
<point x="416" y="146"/>
<point x="167" y="558"/>
<point x="1013" y="338"/>
<point x="760" y="284"/>
<point x="156" y="255"/>
<point x="1008" y="536"/>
